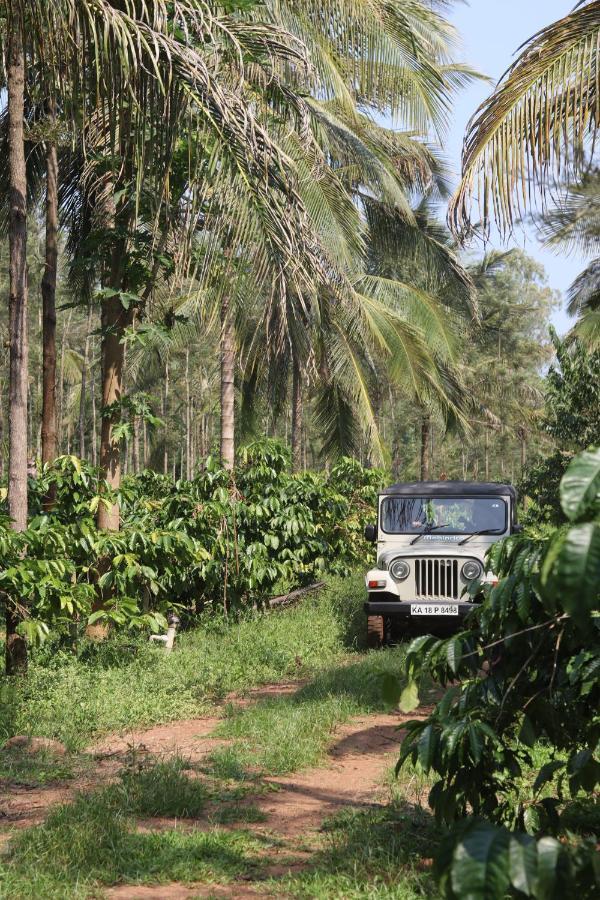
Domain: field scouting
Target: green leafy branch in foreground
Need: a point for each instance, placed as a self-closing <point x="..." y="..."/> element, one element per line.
<point x="513" y="741"/>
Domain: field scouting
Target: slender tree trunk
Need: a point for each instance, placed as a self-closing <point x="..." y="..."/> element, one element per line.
<point x="94" y="419"/>
<point x="523" y="443"/>
<point x="165" y="402"/>
<point x="296" y="416"/>
<point x="114" y="320"/>
<point x="227" y="386"/>
<point x="16" y="646"/>
<point x="425" y="446"/>
<point x="145" y="444"/>
<point x="188" y="418"/>
<point x="61" y="380"/>
<point x="84" y="370"/>
<point x="1" y="429"/>
<point x="486" y="449"/>
<point x="49" y="448"/>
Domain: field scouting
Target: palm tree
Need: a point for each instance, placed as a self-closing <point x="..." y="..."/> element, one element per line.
<point x="399" y="66"/>
<point x="532" y="133"/>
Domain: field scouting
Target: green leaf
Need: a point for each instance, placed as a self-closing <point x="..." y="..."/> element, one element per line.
<point x="409" y="698"/>
<point x="570" y="570"/>
<point x="527" y="733"/>
<point x="480" y="866"/>
<point x="454" y="654"/>
<point x="427" y="746"/>
<point x="580" y="485"/>
<point x="391" y="689"/>
<point x="548" y="854"/>
<point x="522" y="861"/>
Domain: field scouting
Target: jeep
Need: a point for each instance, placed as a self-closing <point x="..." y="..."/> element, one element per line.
<point x="432" y="538"/>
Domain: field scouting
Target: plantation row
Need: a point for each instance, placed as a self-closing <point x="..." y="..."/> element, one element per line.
<point x="217" y="541"/>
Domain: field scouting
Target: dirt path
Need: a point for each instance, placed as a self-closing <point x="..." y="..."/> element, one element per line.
<point x="352" y="776"/>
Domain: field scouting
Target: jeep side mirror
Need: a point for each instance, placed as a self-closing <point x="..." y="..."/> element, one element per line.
<point x="371" y="533"/>
<point x="517" y="529"/>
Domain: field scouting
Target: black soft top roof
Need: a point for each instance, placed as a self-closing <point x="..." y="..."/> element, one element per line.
<point x="450" y="489"/>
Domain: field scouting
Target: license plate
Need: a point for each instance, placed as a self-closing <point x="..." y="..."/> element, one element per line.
<point x="434" y="609"/>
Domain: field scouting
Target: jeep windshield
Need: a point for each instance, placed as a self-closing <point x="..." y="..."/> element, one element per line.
<point x="443" y="515"/>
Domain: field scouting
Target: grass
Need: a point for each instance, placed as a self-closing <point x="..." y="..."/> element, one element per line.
<point x="371" y="854"/>
<point x="96" y="841"/>
<point x="36" y="770"/>
<point x="285" y="734"/>
<point x="126" y="684"/>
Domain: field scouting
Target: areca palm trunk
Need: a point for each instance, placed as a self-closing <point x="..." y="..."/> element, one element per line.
<point x="115" y="319"/>
<point x="227" y="386"/>
<point x="84" y="370"/>
<point x="16" y="647"/>
<point x="49" y="309"/>
<point x="296" y="417"/>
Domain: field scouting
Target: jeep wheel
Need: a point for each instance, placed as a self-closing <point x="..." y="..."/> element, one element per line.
<point x="375" y="632"/>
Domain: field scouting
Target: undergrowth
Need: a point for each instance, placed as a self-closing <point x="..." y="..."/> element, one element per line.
<point x="123" y="684"/>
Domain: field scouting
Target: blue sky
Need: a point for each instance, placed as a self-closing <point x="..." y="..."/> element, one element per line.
<point x="492" y="31"/>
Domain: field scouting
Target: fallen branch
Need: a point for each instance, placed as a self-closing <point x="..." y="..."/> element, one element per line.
<point x="285" y="599"/>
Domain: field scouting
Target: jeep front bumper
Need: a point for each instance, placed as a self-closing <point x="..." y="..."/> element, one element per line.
<point x="398" y="609"/>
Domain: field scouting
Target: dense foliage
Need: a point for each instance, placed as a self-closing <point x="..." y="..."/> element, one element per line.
<point x="513" y="740"/>
<point x="219" y="540"/>
<point x="572" y="421"/>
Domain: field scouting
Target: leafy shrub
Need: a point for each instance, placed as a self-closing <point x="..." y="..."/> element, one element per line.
<point x="222" y="540"/>
<point x="528" y="668"/>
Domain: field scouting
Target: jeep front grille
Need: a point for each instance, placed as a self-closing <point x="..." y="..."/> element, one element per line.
<point x="437" y="578"/>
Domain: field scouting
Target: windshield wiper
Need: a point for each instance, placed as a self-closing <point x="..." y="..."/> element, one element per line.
<point x="476" y="534"/>
<point x="429" y="530"/>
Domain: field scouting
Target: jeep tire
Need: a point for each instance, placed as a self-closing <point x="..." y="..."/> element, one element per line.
<point x="375" y="632"/>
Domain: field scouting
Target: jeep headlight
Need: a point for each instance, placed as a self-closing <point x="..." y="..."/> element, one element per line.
<point x="472" y="570"/>
<point x="400" y="570"/>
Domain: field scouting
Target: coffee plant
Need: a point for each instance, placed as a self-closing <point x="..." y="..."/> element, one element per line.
<point x="221" y="541"/>
<point x="512" y="744"/>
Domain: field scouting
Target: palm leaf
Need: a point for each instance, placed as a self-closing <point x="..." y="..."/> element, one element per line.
<point x="531" y="134"/>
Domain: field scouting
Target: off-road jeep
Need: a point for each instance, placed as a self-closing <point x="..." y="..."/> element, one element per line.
<point x="431" y="540"/>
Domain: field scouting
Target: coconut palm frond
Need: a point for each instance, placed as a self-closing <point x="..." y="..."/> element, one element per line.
<point x="532" y="133"/>
<point x="417" y="307"/>
<point x="587" y="330"/>
<point x="584" y="294"/>
<point x="573" y="224"/>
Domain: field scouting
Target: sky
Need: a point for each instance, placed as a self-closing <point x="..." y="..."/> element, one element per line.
<point x="492" y="31"/>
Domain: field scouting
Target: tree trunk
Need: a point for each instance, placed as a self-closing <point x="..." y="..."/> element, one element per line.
<point x="165" y="401"/>
<point x="84" y="368"/>
<point x="94" y="422"/>
<point x="425" y="446"/>
<point x="49" y="450"/>
<point x="16" y="646"/>
<point x="188" y="418"/>
<point x="486" y="448"/>
<point x="296" y="417"/>
<point x="61" y="381"/>
<point x="114" y="321"/>
<point x="523" y="443"/>
<point x="227" y="386"/>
